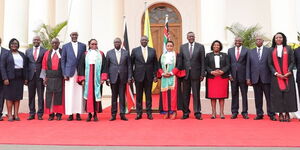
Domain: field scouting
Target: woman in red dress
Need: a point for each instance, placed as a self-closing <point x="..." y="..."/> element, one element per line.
<point x="217" y="68"/>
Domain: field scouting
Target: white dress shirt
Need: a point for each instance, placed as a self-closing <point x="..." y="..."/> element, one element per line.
<point x="18" y="60"/>
<point x="75" y="48"/>
<point x="118" y="55"/>
<point x="37" y="53"/>
<point x="57" y="53"/>
<point x="240" y="50"/>
<point x="145" y="52"/>
<point x="217" y="61"/>
<point x="279" y="50"/>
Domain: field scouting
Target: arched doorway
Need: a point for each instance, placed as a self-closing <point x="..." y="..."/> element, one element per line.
<point x="157" y="14"/>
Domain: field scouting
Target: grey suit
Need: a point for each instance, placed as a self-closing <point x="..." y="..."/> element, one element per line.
<point x="118" y="74"/>
<point x="35" y="83"/>
<point x="195" y="70"/>
<point x="238" y="73"/>
<point x="259" y="74"/>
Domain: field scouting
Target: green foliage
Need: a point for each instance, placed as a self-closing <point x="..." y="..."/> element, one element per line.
<point x="247" y="33"/>
<point x="47" y="33"/>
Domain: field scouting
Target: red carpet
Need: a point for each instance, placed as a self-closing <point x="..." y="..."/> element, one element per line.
<point x="158" y="132"/>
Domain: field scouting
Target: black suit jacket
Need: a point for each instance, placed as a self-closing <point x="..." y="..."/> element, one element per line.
<point x="238" y="67"/>
<point x="210" y="64"/>
<point x="142" y="69"/>
<point x="123" y="69"/>
<point x="8" y="66"/>
<point x="4" y="52"/>
<point x="195" y="66"/>
<point x="297" y="63"/>
<point x="258" y="69"/>
<point x="34" y="66"/>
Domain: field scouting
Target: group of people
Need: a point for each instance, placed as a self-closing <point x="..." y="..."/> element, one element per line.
<point x="74" y="74"/>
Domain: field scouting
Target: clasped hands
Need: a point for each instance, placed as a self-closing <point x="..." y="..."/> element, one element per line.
<point x="167" y="74"/>
<point x="217" y="72"/>
<point x="285" y="76"/>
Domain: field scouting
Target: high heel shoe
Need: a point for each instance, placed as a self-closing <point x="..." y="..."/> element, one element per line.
<point x="173" y="116"/>
<point x="89" y="118"/>
<point x="281" y="118"/>
<point x="287" y="117"/>
<point x="166" y="116"/>
<point x="213" y="116"/>
<point x="222" y="116"/>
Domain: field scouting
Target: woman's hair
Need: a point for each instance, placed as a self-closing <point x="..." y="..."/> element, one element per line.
<point x="170" y="42"/>
<point x="89" y="42"/>
<point x="11" y="41"/>
<point x="213" y="43"/>
<point x="284" y="41"/>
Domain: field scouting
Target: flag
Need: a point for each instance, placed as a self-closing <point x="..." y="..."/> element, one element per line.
<point x="129" y="88"/>
<point x="166" y="34"/>
<point x="147" y="32"/>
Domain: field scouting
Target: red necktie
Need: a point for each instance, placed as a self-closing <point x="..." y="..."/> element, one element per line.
<point x="237" y="53"/>
<point x="35" y="54"/>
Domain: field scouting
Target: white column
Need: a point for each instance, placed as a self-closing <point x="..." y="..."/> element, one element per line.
<point x="39" y="13"/>
<point x="1" y="17"/>
<point x="16" y="22"/>
<point x="212" y="21"/>
<point x="80" y="16"/>
<point x="283" y="18"/>
<point x="107" y="24"/>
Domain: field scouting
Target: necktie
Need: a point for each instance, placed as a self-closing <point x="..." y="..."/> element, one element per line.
<point x="237" y="53"/>
<point x="35" y="54"/>
<point x="258" y="53"/>
<point x="191" y="51"/>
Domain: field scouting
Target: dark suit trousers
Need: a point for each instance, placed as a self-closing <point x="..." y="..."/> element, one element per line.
<point x="36" y="85"/>
<point x="1" y="98"/>
<point x="260" y="89"/>
<point x="235" y="85"/>
<point x="118" y="90"/>
<point x="193" y="85"/>
<point x="145" y="85"/>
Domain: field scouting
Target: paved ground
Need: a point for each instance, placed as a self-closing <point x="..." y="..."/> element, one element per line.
<point x="46" y="147"/>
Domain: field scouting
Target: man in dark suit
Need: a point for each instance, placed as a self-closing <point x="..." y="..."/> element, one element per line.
<point x="193" y="59"/>
<point x="35" y="56"/>
<point x="258" y="74"/>
<point x="3" y="52"/>
<point x="119" y="69"/>
<point x="238" y="60"/>
<point x="297" y="63"/>
<point x="144" y="64"/>
<point x="71" y="53"/>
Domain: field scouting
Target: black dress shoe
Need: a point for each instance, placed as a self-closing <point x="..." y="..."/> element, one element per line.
<point x="185" y="116"/>
<point x="89" y="118"/>
<point x="51" y="117"/>
<point x="95" y="117"/>
<point x="70" y="118"/>
<point x="138" y="117"/>
<point x="1" y="118"/>
<point x="40" y="118"/>
<point x="78" y="118"/>
<point x="259" y="117"/>
<point x="31" y="117"/>
<point x="113" y="118"/>
<point x="58" y="116"/>
<point x="245" y="116"/>
<point x="149" y="116"/>
<point x="233" y="116"/>
<point x="123" y="118"/>
<point x="273" y="118"/>
<point x="198" y="117"/>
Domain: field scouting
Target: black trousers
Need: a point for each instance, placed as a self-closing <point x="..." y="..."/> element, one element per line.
<point x="145" y="85"/>
<point x="1" y="98"/>
<point x="260" y="89"/>
<point x="235" y="86"/>
<point x="36" y="86"/>
<point x="193" y="85"/>
<point x="118" y="90"/>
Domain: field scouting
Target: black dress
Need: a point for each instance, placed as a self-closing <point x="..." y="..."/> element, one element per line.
<point x="283" y="101"/>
